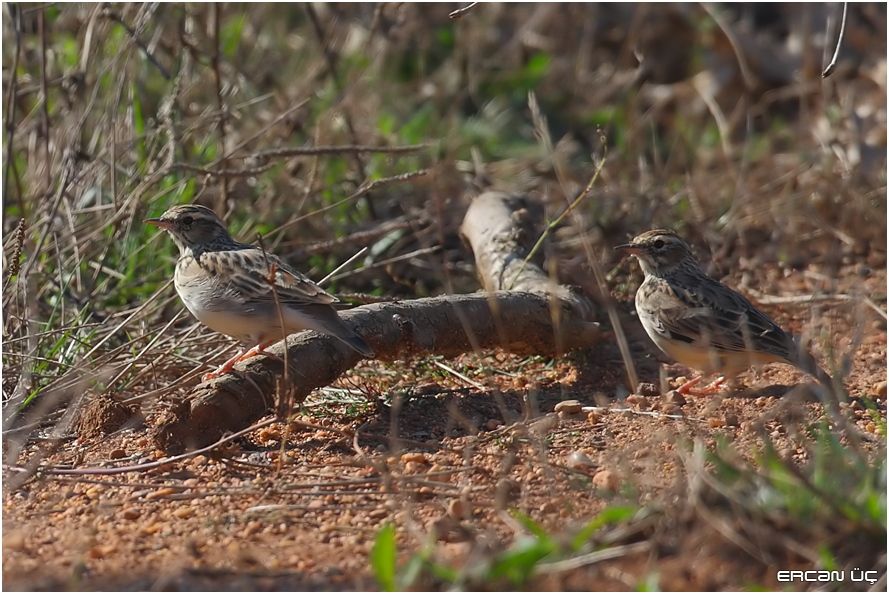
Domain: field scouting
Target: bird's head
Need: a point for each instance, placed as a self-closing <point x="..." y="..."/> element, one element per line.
<point x="659" y="251"/>
<point x="193" y="227"/>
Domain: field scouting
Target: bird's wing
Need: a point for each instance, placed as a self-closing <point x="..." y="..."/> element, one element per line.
<point x="711" y="313"/>
<point x="252" y="274"/>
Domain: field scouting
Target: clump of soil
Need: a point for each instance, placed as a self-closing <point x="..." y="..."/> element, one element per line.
<point x="103" y="415"/>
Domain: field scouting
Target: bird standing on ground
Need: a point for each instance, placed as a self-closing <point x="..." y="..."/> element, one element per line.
<point x="702" y="323"/>
<point x="231" y="287"/>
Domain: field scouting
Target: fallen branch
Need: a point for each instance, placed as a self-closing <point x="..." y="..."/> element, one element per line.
<point x="537" y="317"/>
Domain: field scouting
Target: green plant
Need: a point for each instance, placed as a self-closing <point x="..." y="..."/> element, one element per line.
<point x="383" y="557"/>
<point x="515" y="565"/>
<point x="838" y="495"/>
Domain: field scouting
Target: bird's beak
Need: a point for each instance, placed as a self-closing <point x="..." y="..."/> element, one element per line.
<point x="165" y="225"/>
<point x="628" y="248"/>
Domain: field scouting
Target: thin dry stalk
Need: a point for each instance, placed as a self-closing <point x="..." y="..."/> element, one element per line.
<point x="134" y="37"/>
<point x="223" y="110"/>
<point x="461" y="12"/>
<point x="541" y="130"/>
<point x="330" y="58"/>
<point x="10" y="122"/>
<point x="828" y="70"/>
<point x="361" y="191"/>
<point x="157" y="463"/>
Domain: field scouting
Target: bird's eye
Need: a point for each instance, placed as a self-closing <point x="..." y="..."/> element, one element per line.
<point x="659" y="243"/>
<point x="187" y="221"/>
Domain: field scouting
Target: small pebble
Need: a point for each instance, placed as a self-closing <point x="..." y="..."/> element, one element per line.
<point x="671" y="409"/>
<point x="101" y="551"/>
<point x="162" y="492"/>
<point x="549" y="507"/>
<point x="378" y="513"/>
<point x="732" y="420"/>
<point x="131" y="513"/>
<point x="881" y="390"/>
<point x="183" y="512"/>
<point x="647" y="389"/>
<point x="458" y="509"/>
<point x="493" y="424"/>
<point x="117" y="453"/>
<point x="414" y="468"/>
<point x="577" y="460"/>
<point x="674" y="397"/>
<point x="416" y="457"/>
<point x="152" y="528"/>
<point x="570" y="407"/>
<point x="594" y="417"/>
<point x="269" y="434"/>
<point x="606" y="480"/>
<point x="437" y="468"/>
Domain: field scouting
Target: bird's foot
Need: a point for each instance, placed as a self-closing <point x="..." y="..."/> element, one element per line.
<point x="224" y="368"/>
<point x="239" y="356"/>
<point x="689" y="388"/>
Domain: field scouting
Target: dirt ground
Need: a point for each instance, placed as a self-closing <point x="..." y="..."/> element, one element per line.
<point x="305" y="515"/>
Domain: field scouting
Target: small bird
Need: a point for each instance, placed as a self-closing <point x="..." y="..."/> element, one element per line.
<point x="228" y="286"/>
<point x="702" y="323"/>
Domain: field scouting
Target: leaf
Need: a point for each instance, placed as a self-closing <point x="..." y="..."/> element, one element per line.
<point x="231" y="35"/>
<point x="383" y="556"/>
<point x="531" y="526"/>
<point x="518" y="563"/>
<point x="610" y="515"/>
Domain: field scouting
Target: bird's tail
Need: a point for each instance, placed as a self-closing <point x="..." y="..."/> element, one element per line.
<point x="357" y="343"/>
<point x="335" y="326"/>
<point x="805" y="361"/>
<point x="325" y="319"/>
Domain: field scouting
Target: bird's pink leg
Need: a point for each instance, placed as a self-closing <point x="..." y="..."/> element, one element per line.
<point x="239" y="356"/>
<point x="687" y="386"/>
<point x="713" y="387"/>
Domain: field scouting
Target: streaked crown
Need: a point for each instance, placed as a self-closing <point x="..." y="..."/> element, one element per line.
<point x="194" y="228"/>
<point x="659" y="251"/>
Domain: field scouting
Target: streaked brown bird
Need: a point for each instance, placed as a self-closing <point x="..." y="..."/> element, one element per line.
<point x="228" y="285"/>
<point x="702" y="323"/>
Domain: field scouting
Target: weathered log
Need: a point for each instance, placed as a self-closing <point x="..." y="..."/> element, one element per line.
<point x="535" y="316"/>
